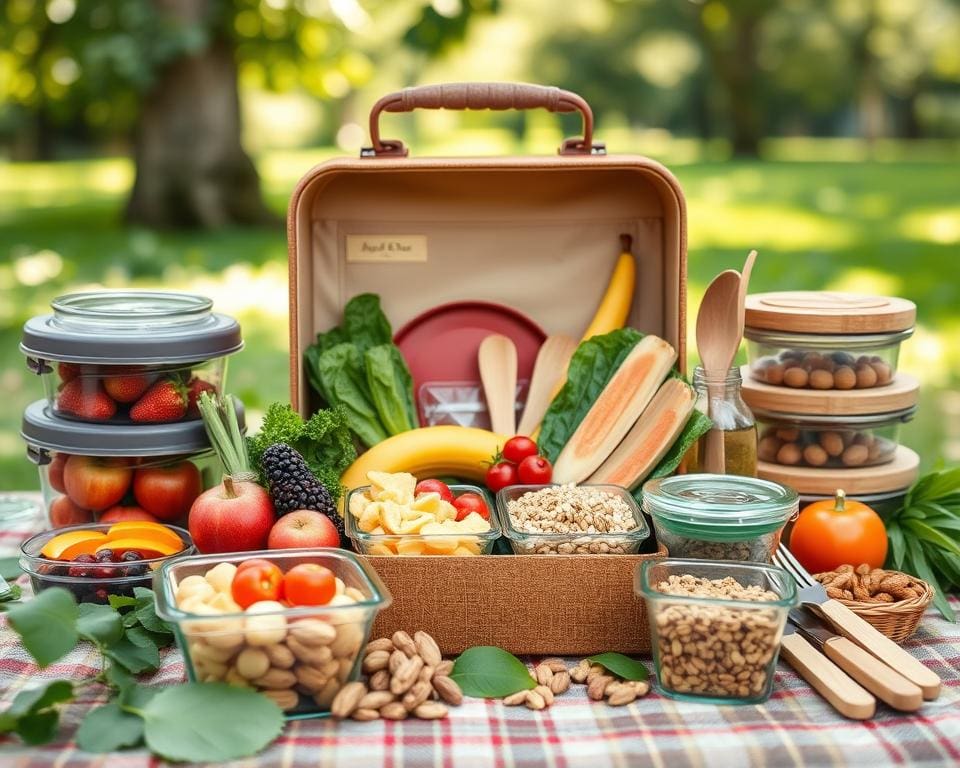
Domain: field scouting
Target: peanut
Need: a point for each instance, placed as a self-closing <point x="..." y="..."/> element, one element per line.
<point x="403" y="642"/>
<point x="383" y="644"/>
<point x="252" y="663"/>
<point x="406" y="675"/>
<point x="444" y="668"/>
<point x="347" y="699"/>
<point x="448" y="689"/>
<point x="515" y="699"/>
<point x="535" y="701"/>
<point x="543" y="674"/>
<point x="545" y="693"/>
<point x="427" y="648"/>
<point x="380" y="680"/>
<point x="375" y="699"/>
<point x="560" y="682"/>
<point x="280" y="656"/>
<point x="393" y="711"/>
<point x="375" y="661"/>
<point x="430" y="710"/>
<point x="285" y="699"/>
<point x="313" y="632"/>
<point x="365" y="715"/>
<point x="418" y="693"/>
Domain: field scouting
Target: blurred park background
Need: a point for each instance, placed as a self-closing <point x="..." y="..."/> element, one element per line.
<point x="155" y="143"/>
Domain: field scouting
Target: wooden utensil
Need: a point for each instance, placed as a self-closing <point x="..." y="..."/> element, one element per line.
<point x="549" y="370"/>
<point x="745" y="285"/>
<point x="719" y="331"/>
<point x="497" y="358"/>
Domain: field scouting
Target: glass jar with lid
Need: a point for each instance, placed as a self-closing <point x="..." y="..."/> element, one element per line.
<point x="721" y="399"/>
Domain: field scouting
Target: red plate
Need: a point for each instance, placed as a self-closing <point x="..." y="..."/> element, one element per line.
<point x="441" y="344"/>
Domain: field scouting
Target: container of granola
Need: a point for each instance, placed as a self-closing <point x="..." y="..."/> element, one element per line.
<point x="571" y="520"/>
<point x="719" y="517"/>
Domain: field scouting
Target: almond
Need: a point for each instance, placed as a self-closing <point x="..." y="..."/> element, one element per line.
<point x="403" y="642"/>
<point x="380" y="680"/>
<point x="345" y="702"/>
<point x="397" y="659"/>
<point x="448" y="689"/>
<point x="406" y="676"/>
<point x="393" y="711"/>
<point x="418" y="693"/>
<point x="383" y="644"/>
<point x="375" y="699"/>
<point x="285" y="699"/>
<point x="313" y="632"/>
<point x="444" y="668"/>
<point x="428" y="649"/>
<point x="365" y="715"/>
<point x="375" y="661"/>
<point x="430" y="710"/>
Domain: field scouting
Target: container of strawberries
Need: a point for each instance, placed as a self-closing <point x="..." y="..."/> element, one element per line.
<point x="129" y="357"/>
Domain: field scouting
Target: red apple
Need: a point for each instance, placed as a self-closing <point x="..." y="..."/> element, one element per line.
<point x="303" y="528"/>
<point x="167" y="492"/>
<point x="120" y="513"/>
<point x="231" y="517"/>
<point x="55" y="472"/>
<point x="65" y="512"/>
<point x="96" y="483"/>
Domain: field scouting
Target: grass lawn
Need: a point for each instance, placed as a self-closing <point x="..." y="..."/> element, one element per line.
<point x="890" y="227"/>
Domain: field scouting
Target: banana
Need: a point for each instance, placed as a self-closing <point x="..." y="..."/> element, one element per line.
<point x="614" y="307"/>
<point x="428" y="452"/>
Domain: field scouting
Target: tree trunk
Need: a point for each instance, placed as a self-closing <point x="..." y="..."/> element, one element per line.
<point x="191" y="169"/>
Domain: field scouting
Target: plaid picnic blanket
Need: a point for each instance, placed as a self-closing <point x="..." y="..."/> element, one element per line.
<point x="794" y="728"/>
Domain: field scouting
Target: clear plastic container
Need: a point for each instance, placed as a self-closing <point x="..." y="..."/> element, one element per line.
<point x="716" y="649"/>
<point x="573" y="543"/>
<point x="304" y="654"/>
<point x="92" y="582"/>
<point x="413" y="544"/>
<point x="129" y="357"/>
<point x="828" y="361"/>
<point x="841" y="442"/>
<point x="105" y="473"/>
<point x="719" y="517"/>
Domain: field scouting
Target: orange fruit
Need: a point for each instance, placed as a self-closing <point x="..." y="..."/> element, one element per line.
<point x="146" y="547"/>
<point x="67" y="546"/>
<point x="142" y="529"/>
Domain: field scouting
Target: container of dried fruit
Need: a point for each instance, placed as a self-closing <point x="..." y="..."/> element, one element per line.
<point x="424" y="527"/>
<point x="715" y="627"/>
<point x="96" y="560"/>
<point x="129" y="357"/>
<point x="299" y="656"/>
<point x="719" y="517"/>
<point x="110" y="473"/>
<point x="825" y="340"/>
<point x="591" y="519"/>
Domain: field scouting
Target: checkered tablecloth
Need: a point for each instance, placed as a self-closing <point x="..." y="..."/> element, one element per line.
<point x="794" y="728"/>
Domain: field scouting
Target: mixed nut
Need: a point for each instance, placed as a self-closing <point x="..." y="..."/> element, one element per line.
<point x="823" y="448"/>
<point x="800" y="369"/>
<point x="759" y="549"/>
<point x="870" y="585"/>
<point x="715" y="650"/>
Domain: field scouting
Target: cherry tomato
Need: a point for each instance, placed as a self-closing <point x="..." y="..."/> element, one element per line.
<point x="309" y="584"/>
<point x="469" y="502"/>
<point x="434" y="486"/>
<point x="518" y="448"/>
<point x="836" y="532"/>
<point x="252" y="563"/>
<point x="535" y="470"/>
<point x="256" y="582"/>
<point x="501" y="475"/>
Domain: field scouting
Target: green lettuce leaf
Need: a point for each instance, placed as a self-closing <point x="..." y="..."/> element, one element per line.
<point x="344" y="381"/>
<point x="591" y="367"/>
<point x="364" y="322"/>
<point x="391" y="387"/>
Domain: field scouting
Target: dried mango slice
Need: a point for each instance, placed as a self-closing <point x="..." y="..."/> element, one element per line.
<point x="67" y="546"/>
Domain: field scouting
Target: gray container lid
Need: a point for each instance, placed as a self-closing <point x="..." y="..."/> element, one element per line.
<point x="124" y="327"/>
<point x="43" y="431"/>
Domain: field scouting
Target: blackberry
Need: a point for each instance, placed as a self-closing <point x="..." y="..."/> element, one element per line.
<point x="293" y="486"/>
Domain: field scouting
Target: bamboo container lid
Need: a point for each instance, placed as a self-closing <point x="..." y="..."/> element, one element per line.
<point x="896" y="475"/>
<point x="828" y="312"/>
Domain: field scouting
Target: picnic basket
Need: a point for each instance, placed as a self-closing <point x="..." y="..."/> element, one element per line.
<point x="535" y="233"/>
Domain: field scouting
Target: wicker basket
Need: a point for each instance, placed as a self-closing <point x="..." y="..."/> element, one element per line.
<point x="899" y="620"/>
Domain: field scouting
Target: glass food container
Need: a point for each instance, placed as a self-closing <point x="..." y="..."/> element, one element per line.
<point x="824" y="340"/>
<point x="465" y="544"/>
<point x="299" y="656"/>
<point x="95" y="582"/>
<point x="830" y="441"/>
<point x="109" y="473"/>
<point x="719" y="517"/>
<point x="129" y="357"/>
<point x="732" y="417"/>
<point x="576" y="542"/>
<point x="714" y="648"/>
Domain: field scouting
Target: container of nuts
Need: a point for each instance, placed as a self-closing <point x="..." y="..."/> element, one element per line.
<point x="299" y="656"/>
<point x="719" y="517"/>
<point x="571" y="520"/>
<point x="715" y="627"/>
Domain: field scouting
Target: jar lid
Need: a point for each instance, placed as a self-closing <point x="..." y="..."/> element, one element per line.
<point x="123" y="327"/>
<point x="901" y="472"/>
<point x="902" y="393"/>
<point x="42" y="431"/>
<point x="719" y="507"/>
<point x="828" y="312"/>
<point x="838" y="422"/>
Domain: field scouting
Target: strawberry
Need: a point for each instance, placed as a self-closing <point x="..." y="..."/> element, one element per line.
<point x="68" y="371"/>
<point x="194" y="388"/>
<point x="86" y="399"/>
<point x="127" y="389"/>
<point x="164" y="401"/>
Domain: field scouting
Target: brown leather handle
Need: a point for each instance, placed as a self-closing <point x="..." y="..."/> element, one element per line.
<point x="496" y="96"/>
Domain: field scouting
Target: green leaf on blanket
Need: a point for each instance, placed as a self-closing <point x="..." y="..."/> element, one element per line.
<point x="99" y="624"/>
<point x="488" y="672"/>
<point x="621" y="666"/>
<point x="109" y="728"/>
<point x="47" y="625"/>
<point x="33" y="715"/>
<point x="10" y="568"/>
<point x="134" y="658"/>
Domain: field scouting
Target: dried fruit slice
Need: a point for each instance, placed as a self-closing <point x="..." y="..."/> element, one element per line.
<point x="67" y="546"/>
<point x="143" y="529"/>
<point x="146" y="547"/>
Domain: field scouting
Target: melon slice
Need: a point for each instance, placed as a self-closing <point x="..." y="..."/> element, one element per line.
<point x="616" y="410"/>
<point x="651" y="437"/>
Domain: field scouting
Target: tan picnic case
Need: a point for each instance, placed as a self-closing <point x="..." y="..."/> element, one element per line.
<point x="536" y="233"/>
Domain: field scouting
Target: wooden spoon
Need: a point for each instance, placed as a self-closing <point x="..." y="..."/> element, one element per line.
<point x="718" y="337"/>
<point x="498" y="372"/>
<point x="744" y="286"/>
<point x="549" y="370"/>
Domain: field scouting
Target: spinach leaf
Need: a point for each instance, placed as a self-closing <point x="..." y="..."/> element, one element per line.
<point x="344" y="381"/>
<point x="364" y="322"/>
<point x="391" y="388"/>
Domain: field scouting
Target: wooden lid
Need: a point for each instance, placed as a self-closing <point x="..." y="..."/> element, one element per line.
<point x="828" y="312"/>
<point x="896" y="475"/>
<point x="898" y="395"/>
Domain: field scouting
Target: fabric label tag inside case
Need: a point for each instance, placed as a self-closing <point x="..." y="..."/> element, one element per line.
<point x="380" y="248"/>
